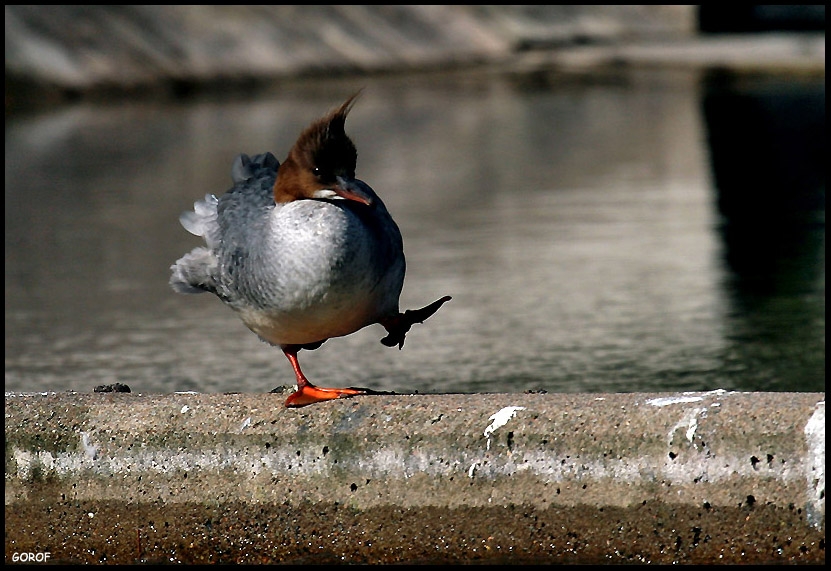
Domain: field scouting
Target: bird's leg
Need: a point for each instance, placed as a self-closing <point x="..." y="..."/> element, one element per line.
<point x="306" y="392"/>
<point x="398" y="325"/>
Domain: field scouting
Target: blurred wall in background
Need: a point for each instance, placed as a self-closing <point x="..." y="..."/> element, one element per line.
<point x="70" y="50"/>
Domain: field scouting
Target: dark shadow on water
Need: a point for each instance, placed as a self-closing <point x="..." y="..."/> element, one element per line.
<point x="767" y="145"/>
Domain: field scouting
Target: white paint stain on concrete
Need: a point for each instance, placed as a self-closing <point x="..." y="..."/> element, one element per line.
<point x="815" y="465"/>
<point x="500" y="419"/>
<point x="664" y="401"/>
<point x="89" y="448"/>
<point x="689" y="423"/>
<point x="685" y="397"/>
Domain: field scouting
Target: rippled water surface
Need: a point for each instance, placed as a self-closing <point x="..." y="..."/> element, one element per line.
<point x="651" y="232"/>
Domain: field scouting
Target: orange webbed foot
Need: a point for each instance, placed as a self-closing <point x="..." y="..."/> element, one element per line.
<point x="310" y="394"/>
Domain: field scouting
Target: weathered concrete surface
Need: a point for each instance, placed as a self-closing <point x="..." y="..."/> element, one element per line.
<point x="717" y="477"/>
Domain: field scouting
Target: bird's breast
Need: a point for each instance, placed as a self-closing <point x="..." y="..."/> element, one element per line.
<point x="317" y="270"/>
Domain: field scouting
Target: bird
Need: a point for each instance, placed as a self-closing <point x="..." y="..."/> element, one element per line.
<point x="302" y="251"/>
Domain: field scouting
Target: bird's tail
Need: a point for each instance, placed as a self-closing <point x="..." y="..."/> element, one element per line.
<point x="201" y="221"/>
<point x="194" y="272"/>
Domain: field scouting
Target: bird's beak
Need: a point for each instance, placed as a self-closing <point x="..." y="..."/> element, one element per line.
<point x="349" y="189"/>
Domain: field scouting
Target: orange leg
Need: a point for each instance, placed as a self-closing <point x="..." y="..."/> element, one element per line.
<point x="306" y="392"/>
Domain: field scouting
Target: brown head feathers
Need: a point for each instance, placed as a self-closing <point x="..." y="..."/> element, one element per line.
<point x="321" y="153"/>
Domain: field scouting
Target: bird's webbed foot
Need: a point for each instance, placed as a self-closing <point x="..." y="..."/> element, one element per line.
<point x="398" y="326"/>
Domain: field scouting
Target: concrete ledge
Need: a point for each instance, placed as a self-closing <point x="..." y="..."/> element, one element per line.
<point x="716" y="477"/>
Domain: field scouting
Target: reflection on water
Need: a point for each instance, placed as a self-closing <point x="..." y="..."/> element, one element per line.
<point x="578" y="227"/>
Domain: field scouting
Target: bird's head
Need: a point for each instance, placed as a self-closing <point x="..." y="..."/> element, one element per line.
<point x="321" y="164"/>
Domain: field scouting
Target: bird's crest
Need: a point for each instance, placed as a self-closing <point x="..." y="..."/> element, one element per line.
<point x="323" y="150"/>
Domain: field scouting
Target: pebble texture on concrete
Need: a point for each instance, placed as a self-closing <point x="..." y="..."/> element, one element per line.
<point x="694" y="478"/>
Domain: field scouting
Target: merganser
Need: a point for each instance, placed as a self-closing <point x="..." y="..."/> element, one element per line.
<point x="302" y="251"/>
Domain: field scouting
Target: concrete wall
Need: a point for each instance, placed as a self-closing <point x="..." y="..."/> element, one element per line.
<point x="59" y="53"/>
<point x="717" y="477"/>
<point x="84" y="47"/>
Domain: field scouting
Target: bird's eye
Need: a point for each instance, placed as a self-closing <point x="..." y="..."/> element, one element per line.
<point x="317" y="172"/>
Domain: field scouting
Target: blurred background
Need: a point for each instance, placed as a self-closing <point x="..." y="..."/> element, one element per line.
<point x="618" y="198"/>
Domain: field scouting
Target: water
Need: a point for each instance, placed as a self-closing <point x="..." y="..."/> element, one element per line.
<point x="610" y="235"/>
